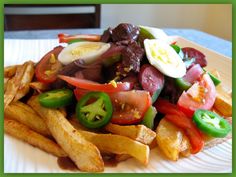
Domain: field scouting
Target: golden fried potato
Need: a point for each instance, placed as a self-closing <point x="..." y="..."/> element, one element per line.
<point x="39" y="86"/>
<point x="223" y="102"/>
<point x="9" y="71"/>
<point x="6" y="79"/>
<point x="85" y="154"/>
<point x="13" y="84"/>
<point x="24" y="133"/>
<point x="137" y="132"/>
<point x="24" y="114"/>
<point x="118" y="144"/>
<point x="25" y="80"/>
<point x="170" y="139"/>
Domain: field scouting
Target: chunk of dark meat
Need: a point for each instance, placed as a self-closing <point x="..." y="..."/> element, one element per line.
<point x="131" y="58"/>
<point x="170" y="91"/>
<point x="124" y="42"/>
<point x="90" y="72"/>
<point x="125" y="31"/>
<point x="106" y="36"/>
<point x="133" y="78"/>
<point x="199" y="57"/>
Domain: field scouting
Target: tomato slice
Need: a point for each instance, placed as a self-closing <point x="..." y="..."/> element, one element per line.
<point x="129" y="107"/>
<point x="94" y="86"/>
<point x="78" y="92"/>
<point x="201" y="95"/>
<point x="165" y="107"/>
<point x="68" y="38"/>
<point x="47" y="69"/>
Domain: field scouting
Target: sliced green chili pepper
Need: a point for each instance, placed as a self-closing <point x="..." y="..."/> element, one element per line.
<point x="94" y="114"/>
<point x="75" y="40"/>
<point x="178" y="50"/>
<point x="182" y="84"/>
<point x="211" y="123"/>
<point x="149" y="117"/>
<point x="56" y="98"/>
<point x="215" y="80"/>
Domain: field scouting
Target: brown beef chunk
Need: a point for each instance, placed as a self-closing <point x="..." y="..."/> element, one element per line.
<point x="131" y="58"/>
<point x="125" y="31"/>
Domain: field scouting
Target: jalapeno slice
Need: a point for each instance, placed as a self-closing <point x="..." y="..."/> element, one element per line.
<point x="211" y="123"/>
<point x="94" y="110"/>
<point x="56" y="98"/>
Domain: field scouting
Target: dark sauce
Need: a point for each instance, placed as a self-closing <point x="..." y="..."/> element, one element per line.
<point x="109" y="160"/>
<point x="66" y="163"/>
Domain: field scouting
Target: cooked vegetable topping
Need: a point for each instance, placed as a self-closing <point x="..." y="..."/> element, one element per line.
<point x="211" y="123"/>
<point x="94" y="110"/>
<point x="215" y="80"/>
<point x="56" y="98"/>
<point x="149" y="117"/>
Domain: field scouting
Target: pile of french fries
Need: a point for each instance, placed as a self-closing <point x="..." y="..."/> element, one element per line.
<point x="53" y="132"/>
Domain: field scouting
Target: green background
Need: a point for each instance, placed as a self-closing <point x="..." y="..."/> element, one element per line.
<point x="98" y="2"/>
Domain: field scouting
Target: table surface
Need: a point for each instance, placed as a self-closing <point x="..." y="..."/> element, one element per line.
<point x="207" y="40"/>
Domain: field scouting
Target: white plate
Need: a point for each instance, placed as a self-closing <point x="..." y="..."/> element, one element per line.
<point x="20" y="157"/>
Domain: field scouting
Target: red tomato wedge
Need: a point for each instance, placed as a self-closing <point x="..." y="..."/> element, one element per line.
<point x="47" y="69"/>
<point x="200" y="95"/>
<point x="78" y="92"/>
<point x="88" y="37"/>
<point x="195" y="138"/>
<point x="129" y="107"/>
<point x="94" y="86"/>
<point x="166" y="107"/>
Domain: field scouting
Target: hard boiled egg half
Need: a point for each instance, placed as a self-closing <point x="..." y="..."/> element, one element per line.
<point x="88" y="51"/>
<point x="162" y="56"/>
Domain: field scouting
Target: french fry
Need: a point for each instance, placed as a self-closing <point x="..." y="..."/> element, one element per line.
<point x="185" y="146"/>
<point x="85" y="154"/>
<point x="25" y="80"/>
<point x="24" y="133"/>
<point x="63" y="111"/>
<point x="26" y="115"/>
<point x="10" y="71"/>
<point x="223" y="102"/>
<point x="118" y="144"/>
<point x="39" y="86"/>
<point x="76" y="124"/>
<point x="137" y="132"/>
<point x="6" y="79"/>
<point x="170" y="140"/>
<point x="13" y="84"/>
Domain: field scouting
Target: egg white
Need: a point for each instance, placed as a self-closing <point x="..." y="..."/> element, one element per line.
<point x="66" y="56"/>
<point x="175" y="68"/>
